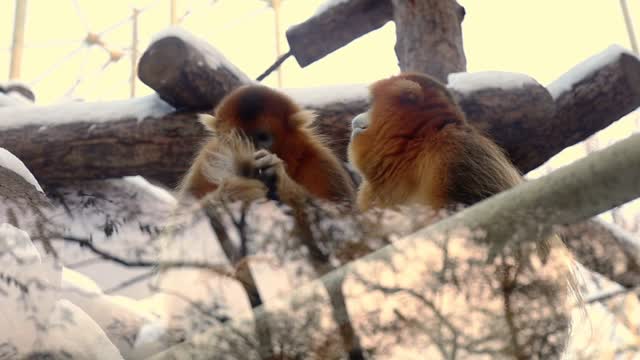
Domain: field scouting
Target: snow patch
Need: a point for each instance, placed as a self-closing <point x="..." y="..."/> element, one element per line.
<point x="13" y="99"/>
<point x="320" y="96"/>
<point x="328" y="5"/>
<point x="214" y="58"/>
<point x="154" y="190"/>
<point x="466" y="83"/>
<point x="568" y="80"/>
<point x="139" y="108"/>
<point x="11" y="162"/>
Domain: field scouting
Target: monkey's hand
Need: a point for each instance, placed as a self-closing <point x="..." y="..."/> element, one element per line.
<point x="269" y="170"/>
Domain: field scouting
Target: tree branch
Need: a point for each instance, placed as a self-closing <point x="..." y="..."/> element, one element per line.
<point x="601" y="181"/>
<point x="336" y="27"/>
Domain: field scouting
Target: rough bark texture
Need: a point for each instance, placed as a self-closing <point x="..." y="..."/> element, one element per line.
<point x="591" y="105"/>
<point x="518" y="119"/>
<point x="22" y="205"/>
<point x="182" y="76"/>
<point x="334" y="28"/>
<point x="605" y="249"/>
<point x="158" y="149"/>
<point x="429" y="36"/>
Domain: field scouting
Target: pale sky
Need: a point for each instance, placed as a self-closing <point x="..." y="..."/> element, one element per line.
<point x="542" y="38"/>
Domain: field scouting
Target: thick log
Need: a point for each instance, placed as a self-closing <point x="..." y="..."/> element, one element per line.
<point x="429" y="36"/>
<point x="160" y="147"/>
<point x="517" y="118"/>
<point x="589" y="98"/>
<point x="335" y="27"/>
<point x="156" y="148"/>
<point x="187" y="72"/>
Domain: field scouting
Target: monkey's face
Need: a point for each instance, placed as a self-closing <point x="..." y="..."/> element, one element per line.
<point x="407" y="113"/>
<point x="260" y="113"/>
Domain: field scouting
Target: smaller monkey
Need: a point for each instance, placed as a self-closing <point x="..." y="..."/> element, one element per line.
<point x="262" y="145"/>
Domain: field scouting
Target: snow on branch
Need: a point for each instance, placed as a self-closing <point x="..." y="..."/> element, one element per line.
<point x="186" y="71"/>
<point x="601" y="181"/>
<point x="10" y="162"/>
<point x="590" y="97"/>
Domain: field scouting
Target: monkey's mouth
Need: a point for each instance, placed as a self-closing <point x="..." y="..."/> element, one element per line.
<point x="359" y="124"/>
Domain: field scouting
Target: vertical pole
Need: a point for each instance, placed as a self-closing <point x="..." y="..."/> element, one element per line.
<point x="630" y="30"/>
<point x="18" y="39"/>
<point x="173" y="10"/>
<point x="275" y="4"/>
<point x="134" y="51"/>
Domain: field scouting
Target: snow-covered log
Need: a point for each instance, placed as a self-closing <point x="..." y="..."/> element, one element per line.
<point x="336" y="24"/>
<point x="22" y="202"/>
<point x="186" y="71"/>
<point x="140" y="137"/>
<point x="514" y="109"/>
<point x="589" y="97"/>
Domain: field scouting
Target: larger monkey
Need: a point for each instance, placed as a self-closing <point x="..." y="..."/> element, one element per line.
<point x="286" y="147"/>
<point x="415" y="146"/>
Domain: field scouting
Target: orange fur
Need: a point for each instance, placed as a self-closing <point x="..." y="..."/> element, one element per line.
<point x="264" y="115"/>
<point x="418" y="148"/>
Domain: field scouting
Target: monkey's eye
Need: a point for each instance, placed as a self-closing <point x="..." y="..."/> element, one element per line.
<point x="262" y="140"/>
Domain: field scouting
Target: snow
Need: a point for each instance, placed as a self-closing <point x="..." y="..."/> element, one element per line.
<point x="154" y="190"/>
<point x="328" y="4"/>
<point x="319" y="96"/>
<point x="138" y="108"/>
<point x="11" y="162"/>
<point x="578" y="73"/>
<point x="214" y="58"/>
<point x="13" y="99"/>
<point x="466" y="83"/>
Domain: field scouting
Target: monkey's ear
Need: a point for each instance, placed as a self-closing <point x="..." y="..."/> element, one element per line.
<point x="301" y="119"/>
<point x="407" y="91"/>
<point x="207" y="120"/>
<point x="404" y="90"/>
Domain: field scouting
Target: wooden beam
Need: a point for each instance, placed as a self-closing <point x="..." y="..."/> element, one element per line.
<point x="187" y="72"/>
<point x="336" y="27"/>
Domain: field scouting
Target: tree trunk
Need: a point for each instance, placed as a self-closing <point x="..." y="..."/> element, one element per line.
<point x="429" y="36"/>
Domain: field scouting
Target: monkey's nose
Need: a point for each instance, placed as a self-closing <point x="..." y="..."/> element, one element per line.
<point x="361" y="121"/>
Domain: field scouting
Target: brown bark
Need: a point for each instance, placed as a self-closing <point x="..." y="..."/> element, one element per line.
<point x="159" y="149"/>
<point x="517" y="119"/>
<point x="605" y="249"/>
<point x="429" y="36"/>
<point x="609" y="93"/>
<point x="182" y="75"/>
<point x="334" y="28"/>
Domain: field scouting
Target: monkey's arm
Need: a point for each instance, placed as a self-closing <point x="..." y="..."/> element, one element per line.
<point x="217" y="172"/>
<point x="326" y="178"/>
<point x="365" y="199"/>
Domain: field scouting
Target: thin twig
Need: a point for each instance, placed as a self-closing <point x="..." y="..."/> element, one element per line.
<point x="275" y="66"/>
